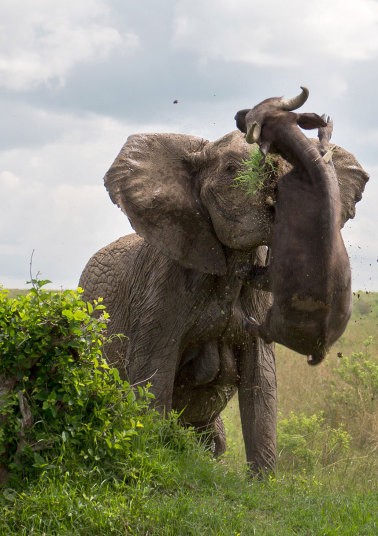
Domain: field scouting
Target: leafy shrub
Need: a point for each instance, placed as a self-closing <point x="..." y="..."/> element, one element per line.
<point x="62" y="408"/>
<point x="360" y="373"/>
<point x="307" y="442"/>
<point x="353" y="398"/>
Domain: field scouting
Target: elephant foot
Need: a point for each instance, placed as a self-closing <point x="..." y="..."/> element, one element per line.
<point x="214" y="436"/>
<point x="219" y="437"/>
<point x="259" y="472"/>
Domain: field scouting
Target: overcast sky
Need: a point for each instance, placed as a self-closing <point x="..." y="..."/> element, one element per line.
<point x="78" y="77"/>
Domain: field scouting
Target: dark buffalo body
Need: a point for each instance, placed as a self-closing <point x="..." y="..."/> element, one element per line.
<point x="309" y="270"/>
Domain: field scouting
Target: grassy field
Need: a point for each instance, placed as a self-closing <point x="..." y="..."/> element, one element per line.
<point x="325" y="484"/>
<point x="309" y="390"/>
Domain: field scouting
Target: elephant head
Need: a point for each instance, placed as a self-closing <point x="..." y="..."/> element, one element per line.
<point x="179" y="193"/>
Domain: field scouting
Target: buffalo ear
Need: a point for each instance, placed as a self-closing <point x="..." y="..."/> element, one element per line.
<point x="151" y="181"/>
<point x="240" y="119"/>
<point x="310" y="121"/>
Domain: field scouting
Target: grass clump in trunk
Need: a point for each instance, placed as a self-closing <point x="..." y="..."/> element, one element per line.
<point x="256" y="171"/>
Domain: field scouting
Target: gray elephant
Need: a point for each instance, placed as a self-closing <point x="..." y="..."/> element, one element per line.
<point x="173" y="289"/>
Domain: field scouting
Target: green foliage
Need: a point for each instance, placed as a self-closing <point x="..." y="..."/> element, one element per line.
<point x="353" y="395"/>
<point x="160" y="480"/>
<point x="207" y="498"/>
<point x="308" y="442"/>
<point x="360" y="373"/>
<point x="62" y="407"/>
<point x="256" y="171"/>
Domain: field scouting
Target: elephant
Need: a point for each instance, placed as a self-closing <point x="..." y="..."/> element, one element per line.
<point x="174" y="291"/>
<point x="309" y="270"/>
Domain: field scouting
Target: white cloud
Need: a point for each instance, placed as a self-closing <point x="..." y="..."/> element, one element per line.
<point x="52" y="197"/>
<point x="41" y="41"/>
<point x="272" y="33"/>
<point x="72" y="205"/>
<point x="8" y="181"/>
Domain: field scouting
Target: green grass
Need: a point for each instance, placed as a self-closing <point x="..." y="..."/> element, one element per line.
<point x="255" y="172"/>
<point x="207" y="498"/>
<point x="326" y="480"/>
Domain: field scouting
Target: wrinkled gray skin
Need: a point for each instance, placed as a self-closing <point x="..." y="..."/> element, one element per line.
<point x="309" y="271"/>
<point x="176" y="294"/>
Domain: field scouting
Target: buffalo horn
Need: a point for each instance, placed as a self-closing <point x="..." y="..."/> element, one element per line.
<point x="296" y="102"/>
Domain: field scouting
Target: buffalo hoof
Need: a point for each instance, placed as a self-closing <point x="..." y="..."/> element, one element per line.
<point x="315" y="359"/>
<point x="252" y="326"/>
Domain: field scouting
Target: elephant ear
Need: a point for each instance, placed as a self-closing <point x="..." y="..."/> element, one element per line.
<point x="152" y="183"/>
<point x="352" y="179"/>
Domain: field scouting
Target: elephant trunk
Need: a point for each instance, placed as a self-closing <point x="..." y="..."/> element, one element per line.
<point x="298" y="149"/>
<point x="293" y="145"/>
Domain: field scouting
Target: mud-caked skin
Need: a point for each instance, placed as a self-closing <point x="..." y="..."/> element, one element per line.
<point x="191" y="324"/>
<point x="309" y="270"/>
<point x="174" y="291"/>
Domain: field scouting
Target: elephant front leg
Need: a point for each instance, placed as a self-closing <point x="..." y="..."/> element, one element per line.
<point x="258" y="405"/>
<point x="155" y="364"/>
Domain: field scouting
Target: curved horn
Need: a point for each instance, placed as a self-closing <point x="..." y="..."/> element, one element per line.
<point x="254" y="133"/>
<point x="296" y="102"/>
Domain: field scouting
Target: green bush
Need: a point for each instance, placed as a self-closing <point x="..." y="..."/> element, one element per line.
<point x="62" y="408"/>
<point x="305" y="443"/>
<point x="353" y="396"/>
<point x="359" y="373"/>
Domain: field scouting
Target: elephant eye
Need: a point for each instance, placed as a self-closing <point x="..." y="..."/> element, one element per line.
<point x="232" y="167"/>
